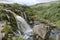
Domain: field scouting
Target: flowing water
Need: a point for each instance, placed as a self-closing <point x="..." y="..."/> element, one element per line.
<point x="23" y="27"/>
<point x="24" y="15"/>
<point x="55" y="32"/>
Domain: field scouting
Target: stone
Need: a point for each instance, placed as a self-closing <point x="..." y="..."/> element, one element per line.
<point x="43" y="30"/>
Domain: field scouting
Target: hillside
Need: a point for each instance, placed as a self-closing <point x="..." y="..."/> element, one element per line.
<point x="49" y="11"/>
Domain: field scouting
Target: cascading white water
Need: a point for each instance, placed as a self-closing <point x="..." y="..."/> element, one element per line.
<point x="23" y="26"/>
<point x="24" y="15"/>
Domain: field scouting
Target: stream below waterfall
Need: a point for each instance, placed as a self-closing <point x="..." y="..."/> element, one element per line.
<point x="55" y="32"/>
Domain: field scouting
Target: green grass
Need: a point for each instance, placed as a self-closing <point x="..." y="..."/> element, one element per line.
<point x="51" y="12"/>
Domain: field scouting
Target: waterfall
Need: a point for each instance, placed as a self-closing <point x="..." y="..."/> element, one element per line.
<point x="24" y="15"/>
<point x="8" y="17"/>
<point x="23" y="26"/>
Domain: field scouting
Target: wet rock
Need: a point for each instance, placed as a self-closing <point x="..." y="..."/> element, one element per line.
<point x="42" y="31"/>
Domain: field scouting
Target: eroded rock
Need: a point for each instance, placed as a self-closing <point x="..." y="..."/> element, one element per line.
<point x="42" y="31"/>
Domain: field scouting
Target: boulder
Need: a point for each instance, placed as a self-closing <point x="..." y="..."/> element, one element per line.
<point x="43" y="30"/>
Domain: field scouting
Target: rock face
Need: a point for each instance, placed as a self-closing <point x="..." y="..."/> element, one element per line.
<point x="42" y="31"/>
<point x="1" y="27"/>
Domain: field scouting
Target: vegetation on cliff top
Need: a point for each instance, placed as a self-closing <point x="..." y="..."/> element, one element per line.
<point x="49" y="11"/>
